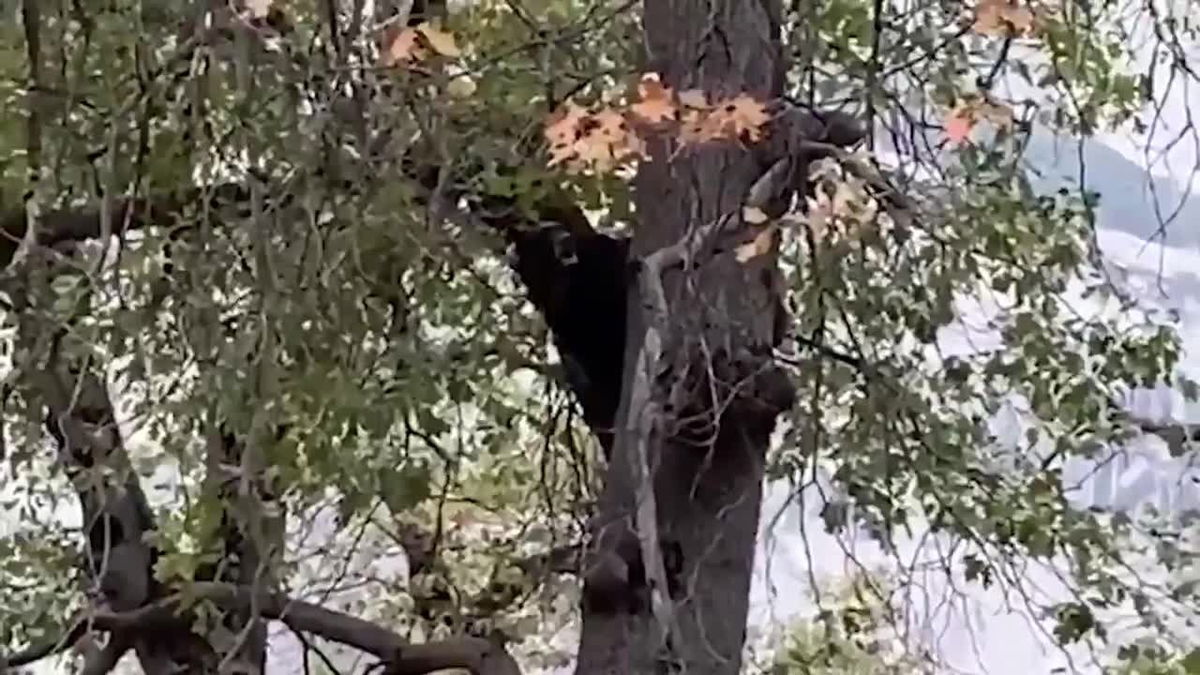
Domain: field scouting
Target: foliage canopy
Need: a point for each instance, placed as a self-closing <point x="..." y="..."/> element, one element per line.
<point x="350" y="319"/>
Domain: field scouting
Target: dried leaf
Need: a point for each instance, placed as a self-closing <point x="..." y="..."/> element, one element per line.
<point x="562" y="130"/>
<point x="440" y="41"/>
<point x="746" y="116"/>
<point x="655" y="104"/>
<point x="607" y="140"/>
<point x="1002" y="18"/>
<point x="401" y="46"/>
<point x="738" y="118"/>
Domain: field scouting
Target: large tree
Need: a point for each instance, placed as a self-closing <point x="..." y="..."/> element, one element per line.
<point x="268" y="239"/>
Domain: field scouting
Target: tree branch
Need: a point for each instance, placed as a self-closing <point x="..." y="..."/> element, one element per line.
<point x="46" y="649"/>
<point x="478" y="655"/>
<point x="96" y="661"/>
<point x="126" y="214"/>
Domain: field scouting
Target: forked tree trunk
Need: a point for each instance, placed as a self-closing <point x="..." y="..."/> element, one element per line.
<point x="716" y="393"/>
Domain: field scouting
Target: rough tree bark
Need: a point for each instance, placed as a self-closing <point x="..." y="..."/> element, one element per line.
<point x="701" y="394"/>
<point x="668" y="571"/>
<point x="707" y="490"/>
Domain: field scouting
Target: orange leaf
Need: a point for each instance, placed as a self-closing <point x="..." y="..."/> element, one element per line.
<point x="656" y="105"/>
<point x="747" y="116"/>
<point x="580" y="139"/>
<point x="401" y="45"/>
<point x="563" y="130"/>
<point x="1002" y="18"/>
<point x="736" y="118"/>
<point x="440" y="41"/>
<point x="610" y="124"/>
<point x="607" y="140"/>
<point x="564" y="124"/>
<point x="963" y="119"/>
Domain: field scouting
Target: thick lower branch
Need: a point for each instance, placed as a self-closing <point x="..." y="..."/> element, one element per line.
<point x="478" y="655"/>
<point x="74" y="225"/>
<point x="46" y="649"/>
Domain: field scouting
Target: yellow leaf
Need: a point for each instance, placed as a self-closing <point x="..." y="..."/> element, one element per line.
<point x="441" y="41"/>
<point x="760" y="245"/>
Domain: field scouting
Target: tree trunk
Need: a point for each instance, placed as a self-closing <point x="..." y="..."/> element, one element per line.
<point x="713" y="391"/>
<point x="119" y="562"/>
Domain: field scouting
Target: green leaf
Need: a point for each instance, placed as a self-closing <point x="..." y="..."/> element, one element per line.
<point x="406" y="487"/>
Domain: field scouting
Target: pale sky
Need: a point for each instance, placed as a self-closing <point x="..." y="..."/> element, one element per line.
<point x="984" y="634"/>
